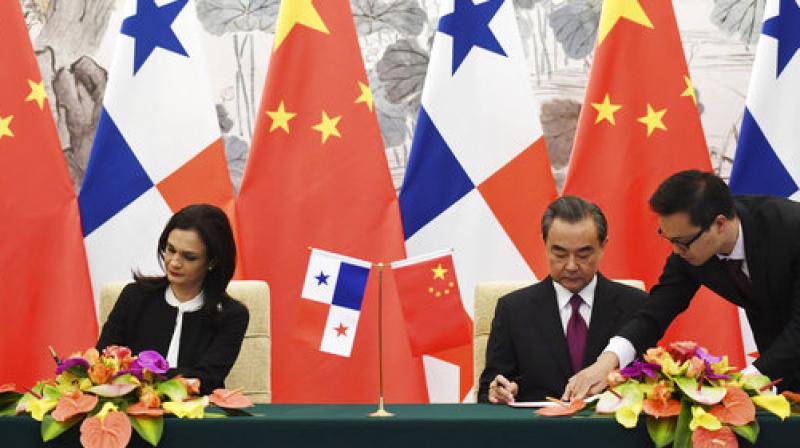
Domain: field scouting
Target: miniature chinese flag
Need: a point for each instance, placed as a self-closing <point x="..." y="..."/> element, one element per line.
<point x="431" y="302"/>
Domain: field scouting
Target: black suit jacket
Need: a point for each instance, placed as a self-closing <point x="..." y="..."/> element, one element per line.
<point x="143" y="320"/>
<point x="527" y="342"/>
<point x="771" y="229"/>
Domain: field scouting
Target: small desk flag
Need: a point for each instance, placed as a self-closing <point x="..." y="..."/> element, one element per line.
<point x="331" y="301"/>
<point x="428" y="290"/>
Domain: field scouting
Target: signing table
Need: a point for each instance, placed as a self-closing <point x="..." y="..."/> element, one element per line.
<point x="414" y="426"/>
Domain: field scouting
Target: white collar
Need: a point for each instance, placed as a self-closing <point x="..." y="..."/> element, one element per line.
<point x="563" y="295"/>
<point x="186" y="307"/>
<point x="738" y="249"/>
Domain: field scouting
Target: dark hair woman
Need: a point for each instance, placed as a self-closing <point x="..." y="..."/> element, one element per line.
<point x="185" y="315"/>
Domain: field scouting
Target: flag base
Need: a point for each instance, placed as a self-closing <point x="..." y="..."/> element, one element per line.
<point x="381" y="411"/>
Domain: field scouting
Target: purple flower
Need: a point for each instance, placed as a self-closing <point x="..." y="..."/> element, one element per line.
<point x="152" y="361"/>
<point x="638" y="368"/>
<point x="707" y="357"/>
<point x="70" y="363"/>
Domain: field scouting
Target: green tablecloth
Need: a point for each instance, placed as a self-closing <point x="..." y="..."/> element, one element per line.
<point x="413" y="426"/>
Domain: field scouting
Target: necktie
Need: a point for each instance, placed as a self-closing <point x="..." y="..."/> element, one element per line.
<point x="739" y="278"/>
<point x="576" y="333"/>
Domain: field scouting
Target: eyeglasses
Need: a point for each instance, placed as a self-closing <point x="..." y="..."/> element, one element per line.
<point x="685" y="245"/>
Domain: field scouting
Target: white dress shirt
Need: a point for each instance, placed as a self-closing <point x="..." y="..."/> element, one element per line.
<point x="623" y="347"/>
<point x="563" y="295"/>
<point x="183" y="307"/>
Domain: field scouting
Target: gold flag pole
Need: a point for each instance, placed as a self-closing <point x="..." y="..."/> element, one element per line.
<point x="381" y="411"/>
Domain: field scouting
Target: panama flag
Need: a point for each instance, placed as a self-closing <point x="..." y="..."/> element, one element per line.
<point x="478" y="177"/>
<point x="157" y="146"/>
<point x="331" y="301"/>
<point x="767" y="156"/>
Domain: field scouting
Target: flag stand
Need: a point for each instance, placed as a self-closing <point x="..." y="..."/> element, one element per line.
<point x="381" y="411"/>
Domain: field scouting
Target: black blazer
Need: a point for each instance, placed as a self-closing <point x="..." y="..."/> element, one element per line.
<point x="143" y="320"/>
<point x="527" y="342"/>
<point x="771" y="228"/>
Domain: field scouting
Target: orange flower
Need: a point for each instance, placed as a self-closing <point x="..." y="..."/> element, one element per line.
<point x="659" y="408"/>
<point x="562" y="408"/>
<point x="149" y="397"/>
<point x="231" y="399"/>
<point x="736" y="408"/>
<point x="793" y="397"/>
<point x="721" y="438"/>
<point x="696" y="367"/>
<point x="111" y="431"/>
<point x="192" y="385"/>
<point x="92" y="356"/>
<point x="71" y="405"/>
<point x="99" y="373"/>
<point x="655" y="355"/>
<point x="140" y="409"/>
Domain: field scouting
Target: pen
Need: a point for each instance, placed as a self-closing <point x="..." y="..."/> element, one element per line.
<point x="53" y="354"/>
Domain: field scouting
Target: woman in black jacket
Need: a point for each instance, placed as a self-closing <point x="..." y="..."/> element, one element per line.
<point x="185" y="315"/>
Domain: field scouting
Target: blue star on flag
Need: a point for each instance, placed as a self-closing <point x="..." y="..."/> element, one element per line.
<point x="322" y="279"/>
<point x="785" y="27"/>
<point x="151" y="27"/>
<point x="468" y="24"/>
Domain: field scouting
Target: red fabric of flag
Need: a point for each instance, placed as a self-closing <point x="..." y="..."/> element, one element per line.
<point x="640" y="124"/>
<point x="45" y="294"/>
<point x="317" y="175"/>
<point x="435" y="317"/>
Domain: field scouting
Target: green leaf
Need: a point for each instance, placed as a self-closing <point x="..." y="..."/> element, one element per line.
<point x="8" y="403"/>
<point x="214" y="415"/>
<point x="683" y="435"/>
<point x="174" y="389"/>
<point x="749" y="431"/>
<point x="52" y="429"/>
<point x="51" y="392"/>
<point x="149" y="428"/>
<point x="661" y="430"/>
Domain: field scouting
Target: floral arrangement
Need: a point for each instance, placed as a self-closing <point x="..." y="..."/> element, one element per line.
<point x="112" y="394"/>
<point x="690" y="398"/>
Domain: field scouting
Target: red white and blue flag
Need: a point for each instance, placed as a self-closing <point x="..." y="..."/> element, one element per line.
<point x="478" y="177"/>
<point x="331" y="301"/>
<point x="158" y="145"/>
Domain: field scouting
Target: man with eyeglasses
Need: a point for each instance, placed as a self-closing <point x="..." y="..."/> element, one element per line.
<point x="744" y="248"/>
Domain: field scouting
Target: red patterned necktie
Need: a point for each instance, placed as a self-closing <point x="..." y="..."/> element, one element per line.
<point x="576" y="334"/>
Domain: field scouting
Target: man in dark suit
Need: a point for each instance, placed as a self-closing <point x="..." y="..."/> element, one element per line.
<point x="746" y="249"/>
<point x="544" y="333"/>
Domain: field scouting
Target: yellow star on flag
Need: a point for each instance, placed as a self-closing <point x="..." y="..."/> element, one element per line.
<point x="614" y="10"/>
<point x="5" y="126"/>
<point x="37" y="94"/>
<point x="280" y="118"/>
<point x="438" y="272"/>
<point x="327" y="126"/>
<point x="689" y="89"/>
<point x="653" y="119"/>
<point x="366" y="95"/>
<point x="294" y="12"/>
<point x="605" y="110"/>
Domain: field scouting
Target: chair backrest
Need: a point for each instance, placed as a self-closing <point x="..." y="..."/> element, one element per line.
<point x="486" y="297"/>
<point x="251" y="371"/>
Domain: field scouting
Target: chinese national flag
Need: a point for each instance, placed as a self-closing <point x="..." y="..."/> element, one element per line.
<point x="317" y="176"/>
<point x="639" y="124"/>
<point x="45" y="294"/>
<point x="428" y="291"/>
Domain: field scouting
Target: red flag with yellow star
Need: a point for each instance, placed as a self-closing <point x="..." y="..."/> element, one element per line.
<point x="640" y="124"/>
<point x="45" y="292"/>
<point x="317" y="175"/>
<point x="428" y="291"/>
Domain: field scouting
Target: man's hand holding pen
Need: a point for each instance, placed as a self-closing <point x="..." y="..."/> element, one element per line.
<point x="501" y="390"/>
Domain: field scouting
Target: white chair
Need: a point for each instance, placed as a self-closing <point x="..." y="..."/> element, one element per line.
<point x="251" y="371"/>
